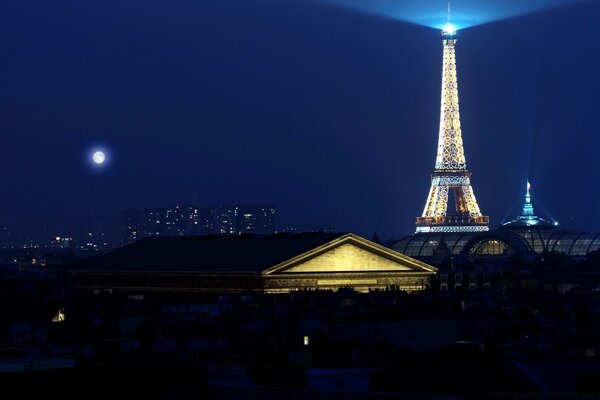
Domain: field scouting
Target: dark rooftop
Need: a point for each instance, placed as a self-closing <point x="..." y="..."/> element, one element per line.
<point x="224" y="253"/>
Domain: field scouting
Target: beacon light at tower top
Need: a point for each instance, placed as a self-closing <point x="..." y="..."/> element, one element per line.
<point x="449" y="30"/>
<point x="465" y="13"/>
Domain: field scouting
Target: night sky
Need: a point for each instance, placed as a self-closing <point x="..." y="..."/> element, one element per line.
<point x="329" y="113"/>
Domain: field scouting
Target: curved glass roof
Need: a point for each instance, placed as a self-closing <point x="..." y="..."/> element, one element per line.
<point x="527" y="232"/>
<point x="575" y="244"/>
<point x="536" y="238"/>
<point x="423" y="244"/>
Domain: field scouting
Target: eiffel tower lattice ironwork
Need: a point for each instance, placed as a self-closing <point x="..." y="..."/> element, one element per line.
<point x="451" y="176"/>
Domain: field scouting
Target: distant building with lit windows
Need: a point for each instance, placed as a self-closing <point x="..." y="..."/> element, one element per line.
<point x="165" y="222"/>
<point x="94" y="240"/>
<point x="62" y="242"/>
<point x="245" y="218"/>
<point x="226" y="220"/>
<point x="256" y="219"/>
<point x="132" y="226"/>
<point x="206" y="221"/>
<point x="154" y="222"/>
<point x="194" y="221"/>
<point x="190" y="220"/>
<point x="175" y="224"/>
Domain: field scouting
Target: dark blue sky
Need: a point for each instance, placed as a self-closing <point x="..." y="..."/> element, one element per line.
<point x="330" y="114"/>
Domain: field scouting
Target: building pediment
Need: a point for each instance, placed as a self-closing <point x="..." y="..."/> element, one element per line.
<point x="263" y="263"/>
<point x="349" y="254"/>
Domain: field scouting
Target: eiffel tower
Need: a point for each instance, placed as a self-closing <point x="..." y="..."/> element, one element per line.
<point x="451" y="178"/>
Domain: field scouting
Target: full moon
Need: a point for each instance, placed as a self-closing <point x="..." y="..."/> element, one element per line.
<point x="99" y="157"/>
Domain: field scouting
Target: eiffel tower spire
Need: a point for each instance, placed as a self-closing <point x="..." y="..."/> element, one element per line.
<point x="451" y="176"/>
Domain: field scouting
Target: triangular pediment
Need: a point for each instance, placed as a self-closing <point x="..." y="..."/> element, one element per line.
<point x="347" y="258"/>
<point x="349" y="254"/>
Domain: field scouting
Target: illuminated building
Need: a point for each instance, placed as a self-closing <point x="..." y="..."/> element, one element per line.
<point x="174" y="224"/>
<point x="154" y="222"/>
<point x="528" y="217"/>
<point x="257" y="219"/>
<point x="207" y="221"/>
<point x="450" y="177"/>
<point x="132" y="226"/>
<point x="94" y="239"/>
<point x="245" y="218"/>
<point x="62" y="242"/>
<point x="526" y="234"/>
<point x="165" y="222"/>
<point x="190" y="220"/>
<point x="193" y="221"/>
<point x="225" y="220"/>
<point x="276" y="263"/>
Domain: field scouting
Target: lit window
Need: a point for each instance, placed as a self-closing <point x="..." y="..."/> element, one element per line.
<point x="59" y="317"/>
<point x="306" y="340"/>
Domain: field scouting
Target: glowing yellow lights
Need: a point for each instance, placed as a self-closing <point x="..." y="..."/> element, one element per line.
<point x="306" y="340"/>
<point x="59" y="317"/>
<point x="450" y="164"/>
<point x="450" y="155"/>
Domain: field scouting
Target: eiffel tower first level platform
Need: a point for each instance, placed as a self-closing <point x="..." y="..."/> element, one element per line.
<point x="451" y="179"/>
<point x="466" y="216"/>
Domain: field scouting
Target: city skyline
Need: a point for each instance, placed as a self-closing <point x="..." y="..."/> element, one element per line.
<point x="135" y="224"/>
<point x="335" y="125"/>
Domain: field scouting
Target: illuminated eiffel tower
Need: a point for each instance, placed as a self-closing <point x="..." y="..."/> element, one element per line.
<point x="451" y="177"/>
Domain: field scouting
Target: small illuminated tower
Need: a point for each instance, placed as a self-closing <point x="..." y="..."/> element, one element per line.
<point x="527" y="206"/>
<point x="451" y="177"/>
<point x="528" y="217"/>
